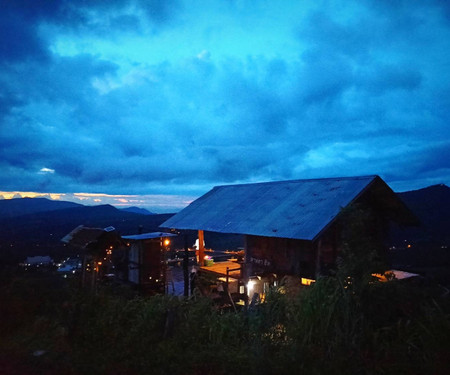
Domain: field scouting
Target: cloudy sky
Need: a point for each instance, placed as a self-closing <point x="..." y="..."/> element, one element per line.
<point x="160" y="100"/>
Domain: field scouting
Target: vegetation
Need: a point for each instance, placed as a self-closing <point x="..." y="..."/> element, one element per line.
<point x="50" y="326"/>
<point x="343" y="324"/>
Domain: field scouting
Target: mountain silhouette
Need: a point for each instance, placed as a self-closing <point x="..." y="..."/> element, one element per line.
<point x="24" y="206"/>
<point x="137" y="210"/>
<point x="35" y="226"/>
<point x="432" y="206"/>
<point x="40" y="232"/>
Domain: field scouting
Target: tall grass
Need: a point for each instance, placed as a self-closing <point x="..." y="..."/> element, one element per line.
<point x="329" y="329"/>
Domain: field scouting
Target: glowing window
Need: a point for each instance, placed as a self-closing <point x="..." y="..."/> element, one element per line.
<point x="307" y="281"/>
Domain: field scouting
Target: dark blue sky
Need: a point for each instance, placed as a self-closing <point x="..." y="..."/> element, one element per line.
<point x="158" y="97"/>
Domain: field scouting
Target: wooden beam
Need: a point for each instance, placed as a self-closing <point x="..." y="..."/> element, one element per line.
<point x="201" y="248"/>
<point x="186" y="266"/>
<point x="318" y="256"/>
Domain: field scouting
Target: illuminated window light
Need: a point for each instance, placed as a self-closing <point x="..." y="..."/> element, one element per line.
<point x="306" y="281"/>
<point x="250" y="285"/>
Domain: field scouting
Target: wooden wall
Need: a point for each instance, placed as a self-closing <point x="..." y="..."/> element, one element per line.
<point x="146" y="264"/>
<point x="366" y="222"/>
<point x="282" y="256"/>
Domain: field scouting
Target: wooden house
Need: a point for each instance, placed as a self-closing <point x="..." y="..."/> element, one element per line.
<point x="97" y="246"/>
<point x="290" y="227"/>
<point x="137" y="259"/>
<point x="146" y="260"/>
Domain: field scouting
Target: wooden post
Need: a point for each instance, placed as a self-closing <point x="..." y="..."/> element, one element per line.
<point x="186" y="267"/>
<point x="318" y="256"/>
<point x="83" y="271"/>
<point x="228" y="279"/>
<point x="140" y="265"/>
<point x="94" y="274"/>
<point x="201" y="248"/>
<point x="246" y="269"/>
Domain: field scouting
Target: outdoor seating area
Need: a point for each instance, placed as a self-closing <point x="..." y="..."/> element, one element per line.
<point x="227" y="268"/>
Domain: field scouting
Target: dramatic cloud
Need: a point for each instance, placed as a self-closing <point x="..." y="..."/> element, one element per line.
<point x="132" y="97"/>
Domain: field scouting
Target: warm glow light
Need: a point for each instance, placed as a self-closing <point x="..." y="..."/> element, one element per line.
<point x="156" y="202"/>
<point x="166" y="242"/>
<point x="307" y="281"/>
<point x="20" y="194"/>
<point x="250" y="285"/>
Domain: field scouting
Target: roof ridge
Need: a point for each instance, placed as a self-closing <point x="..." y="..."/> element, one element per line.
<point x="302" y="180"/>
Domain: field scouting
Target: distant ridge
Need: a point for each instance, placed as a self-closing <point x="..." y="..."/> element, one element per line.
<point x="34" y="226"/>
<point x="25" y="206"/>
<point x="433" y="193"/>
<point x="40" y="233"/>
<point x="432" y="206"/>
<point x="137" y="210"/>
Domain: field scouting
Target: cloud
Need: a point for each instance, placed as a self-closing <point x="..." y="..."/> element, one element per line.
<point x="160" y="11"/>
<point x="17" y="42"/>
<point x="46" y="170"/>
<point x="134" y="97"/>
<point x="27" y="26"/>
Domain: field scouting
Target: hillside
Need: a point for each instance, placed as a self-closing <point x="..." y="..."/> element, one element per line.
<point x="39" y="233"/>
<point x="25" y="206"/>
<point x="432" y="206"/>
<point x="137" y="210"/>
<point x="34" y="226"/>
<point x="424" y="249"/>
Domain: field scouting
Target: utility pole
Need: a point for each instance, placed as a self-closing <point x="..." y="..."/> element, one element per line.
<point x="186" y="266"/>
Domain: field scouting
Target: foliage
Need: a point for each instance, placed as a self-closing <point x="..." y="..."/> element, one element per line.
<point x="363" y="249"/>
<point x="390" y="328"/>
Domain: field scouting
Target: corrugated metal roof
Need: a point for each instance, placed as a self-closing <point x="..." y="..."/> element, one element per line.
<point x="82" y="236"/>
<point x="298" y="209"/>
<point x="147" y="236"/>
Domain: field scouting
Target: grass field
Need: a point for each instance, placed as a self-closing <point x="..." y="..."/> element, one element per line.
<point x="49" y="326"/>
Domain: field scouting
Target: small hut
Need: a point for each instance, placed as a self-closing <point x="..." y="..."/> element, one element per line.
<point x="97" y="246"/>
<point x="291" y="228"/>
<point x="146" y="260"/>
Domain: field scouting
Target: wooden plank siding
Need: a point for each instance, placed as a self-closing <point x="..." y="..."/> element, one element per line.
<point x="286" y="256"/>
<point x="298" y="227"/>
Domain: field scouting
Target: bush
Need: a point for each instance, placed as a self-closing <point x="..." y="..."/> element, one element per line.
<point x="388" y="328"/>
